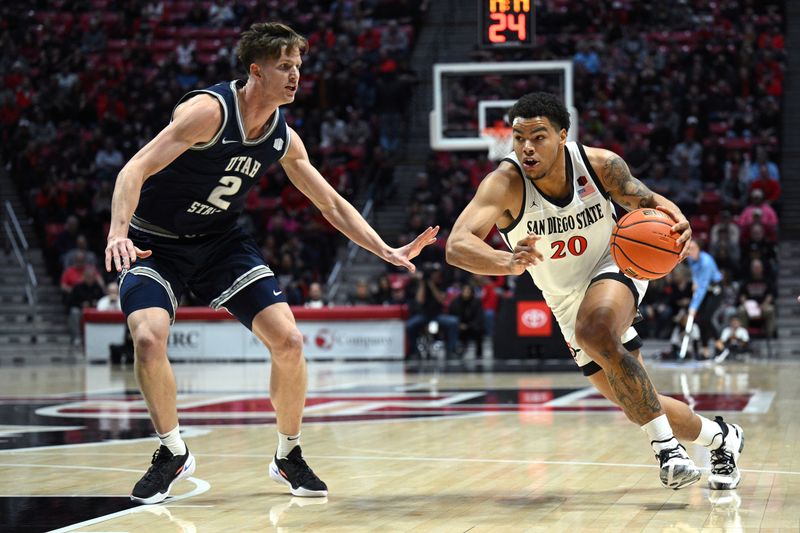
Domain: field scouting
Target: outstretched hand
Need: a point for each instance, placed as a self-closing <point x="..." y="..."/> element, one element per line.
<point x="681" y="226"/>
<point x="525" y="254"/>
<point x="402" y="256"/>
<point x="122" y="252"/>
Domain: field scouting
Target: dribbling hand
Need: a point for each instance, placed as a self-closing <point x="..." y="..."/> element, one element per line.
<point x="525" y="254"/>
<point x="681" y="226"/>
<point x="122" y="251"/>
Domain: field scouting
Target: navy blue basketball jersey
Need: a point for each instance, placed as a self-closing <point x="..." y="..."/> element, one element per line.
<point x="203" y="190"/>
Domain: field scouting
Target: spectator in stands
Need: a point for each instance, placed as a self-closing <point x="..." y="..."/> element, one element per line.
<point x="586" y="57"/>
<point x="758" y="208"/>
<point x="656" y="311"/>
<point x="469" y="312"/>
<point x="333" y="130"/>
<point x="101" y="201"/>
<point x="733" y="341"/>
<point x="153" y="11"/>
<point x="658" y="180"/>
<point x="94" y="38"/>
<point x="394" y="40"/>
<point x="762" y="159"/>
<point x="688" y="154"/>
<point x="766" y="184"/>
<point x="197" y="15"/>
<point x="361" y="294"/>
<point x="109" y="160"/>
<point x="397" y="295"/>
<point x="756" y="298"/>
<point x="185" y="51"/>
<point x="428" y="306"/>
<point x="382" y="291"/>
<point x="315" y="298"/>
<point x="67" y="239"/>
<point x="724" y="242"/>
<point x="83" y="295"/>
<point x="110" y="302"/>
<point x="74" y="274"/>
<point x="81" y="247"/>
<point x="755" y="245"/>
<point x="640" y="159"/>
<point x="220" y="14"/>
<point x="686" y="189"/>
<point x="734" y="188"/>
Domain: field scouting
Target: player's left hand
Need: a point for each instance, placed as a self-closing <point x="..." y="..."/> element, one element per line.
<point x="402" y="256"/>
<point x="681" y="226"/>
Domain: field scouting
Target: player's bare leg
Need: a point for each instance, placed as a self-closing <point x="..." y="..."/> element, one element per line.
<point x="724" y="440"/>
<point x="172" y="461"/>
<point x="276" y="328"/>
<point x="607" y="310"/>
<point x="684" y="422"/>
<point x="150" y="331"/>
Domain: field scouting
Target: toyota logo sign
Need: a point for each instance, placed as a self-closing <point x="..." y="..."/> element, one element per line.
<point x="534" y="318"/>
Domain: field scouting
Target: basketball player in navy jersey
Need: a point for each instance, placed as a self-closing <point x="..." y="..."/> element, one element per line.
<point x="552" y="201"/>
<point x="173" y="228"/>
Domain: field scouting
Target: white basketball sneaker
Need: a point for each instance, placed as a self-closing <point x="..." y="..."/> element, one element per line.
<point x="725" y="473"/>
<point x="677" y="468"/>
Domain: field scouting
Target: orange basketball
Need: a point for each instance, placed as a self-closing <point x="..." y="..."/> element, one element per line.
<point x="643" y="244"/>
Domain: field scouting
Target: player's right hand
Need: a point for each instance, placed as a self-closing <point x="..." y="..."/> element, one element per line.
<point x="122" y="252"/>
<point x="525" y="254"/>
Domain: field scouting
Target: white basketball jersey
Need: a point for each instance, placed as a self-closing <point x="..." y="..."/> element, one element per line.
<point x="574" y="232"/>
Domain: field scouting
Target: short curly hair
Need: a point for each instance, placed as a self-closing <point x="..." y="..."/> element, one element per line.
<point x="541" y="105"/>
<point x="265" y="40"/>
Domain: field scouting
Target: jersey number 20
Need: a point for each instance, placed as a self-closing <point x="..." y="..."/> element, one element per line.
<point x="575" y="245"/>
<point x="229" y="185"/>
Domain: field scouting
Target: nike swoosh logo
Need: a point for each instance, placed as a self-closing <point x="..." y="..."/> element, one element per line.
<point x="290" y="438"/>
<point x="278" y="293"/>
<point x="229" y="141"/>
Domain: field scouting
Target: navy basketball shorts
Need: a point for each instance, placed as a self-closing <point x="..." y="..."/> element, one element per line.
<point x="225" y="271"/>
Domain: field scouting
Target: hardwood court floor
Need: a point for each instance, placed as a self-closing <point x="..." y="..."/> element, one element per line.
<point x="400" y="451"/>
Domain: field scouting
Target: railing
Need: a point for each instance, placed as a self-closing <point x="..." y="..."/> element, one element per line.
<point x="333" y="283"/>
<point x="19" y="246"/>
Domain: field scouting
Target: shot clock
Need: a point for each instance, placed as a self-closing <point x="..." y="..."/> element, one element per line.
<point x="506" y="23"/>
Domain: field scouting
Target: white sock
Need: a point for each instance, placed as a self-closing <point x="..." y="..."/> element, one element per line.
<point x="660" y="433"/>
<point x="286" y="444"/>
<point x="710" y="434"/>
<point x="173" y="441"/>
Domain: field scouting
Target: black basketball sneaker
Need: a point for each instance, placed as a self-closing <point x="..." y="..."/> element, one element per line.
<point x="164" y="471"/>
<point x="297" y="475"/>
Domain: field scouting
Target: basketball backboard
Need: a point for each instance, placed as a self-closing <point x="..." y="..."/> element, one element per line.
<point x="468" y="98"/>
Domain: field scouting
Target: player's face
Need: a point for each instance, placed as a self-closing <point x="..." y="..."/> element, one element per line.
<point x="537" y="144"/>
<point x="281" y="77"/>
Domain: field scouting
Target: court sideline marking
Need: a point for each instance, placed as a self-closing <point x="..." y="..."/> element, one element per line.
<point x="201" y="486"/>
<point x="409" y="458"/>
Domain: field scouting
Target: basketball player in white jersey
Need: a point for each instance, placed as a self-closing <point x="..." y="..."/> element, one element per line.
<point x="552" y="201"/>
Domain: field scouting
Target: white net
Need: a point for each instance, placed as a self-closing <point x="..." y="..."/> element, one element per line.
<point x="499" y="141"/>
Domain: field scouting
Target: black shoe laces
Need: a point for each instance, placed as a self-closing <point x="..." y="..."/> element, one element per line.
<point x="155" y="474"/>
<point x="722" y="461"/>
<point x="669" y="453"/>
<point x="303" y="471"/>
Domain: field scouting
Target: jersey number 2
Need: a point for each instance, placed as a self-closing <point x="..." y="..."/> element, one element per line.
<point x="229" y="185"/>
<point x="576" y="246"/>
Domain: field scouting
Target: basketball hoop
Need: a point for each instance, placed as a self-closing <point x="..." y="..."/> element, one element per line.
<point x="499" y="141"/>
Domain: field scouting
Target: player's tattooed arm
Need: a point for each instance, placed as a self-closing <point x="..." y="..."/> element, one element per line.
<point x="631" y="193"/>
<point x="624" y="189"/>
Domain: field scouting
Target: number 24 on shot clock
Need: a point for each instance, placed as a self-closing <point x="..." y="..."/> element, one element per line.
<point x="506" y="23"/>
